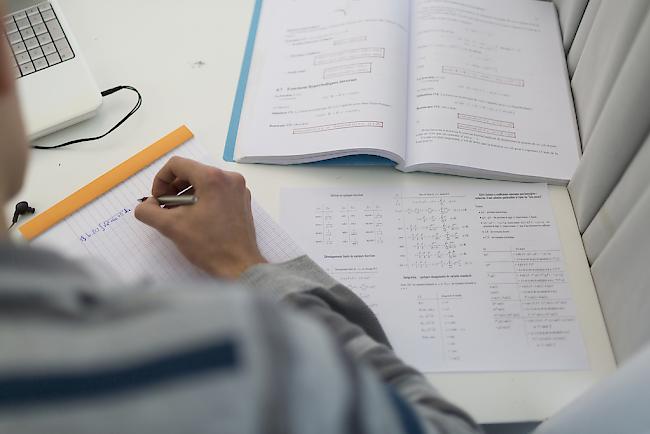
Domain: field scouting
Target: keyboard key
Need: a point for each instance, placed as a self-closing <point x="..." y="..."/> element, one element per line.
<point x="17" y="73"/>
<point x="11" y="27"/>
<point x="45" y="38"/>
<point x="23" y="24"/>
<point x="64" y="49"/>
<point x="49" y="49"/>
<point x="19" y="48"/>
<point x="14" y="38"/>
<point x="32" y="11"/>
<point x="48" y="15"/>
<point x="53" y="59"/>
<point x="27" y="33"/>
<point x="9" y="19"/>
<point x="27" y="68"/>
<point x="36" y="53"/>
<point x="31" y="43"/>
<point x="44" y="6"/>
<point x="20" y="16"/>
<point x="36" y="19"/>
<point x="13" y="61"/>
<point x="40" y="64"/>
<point x="22" y="58"/>
<point x="55" y="29"/>
<point x="40" y="29"/>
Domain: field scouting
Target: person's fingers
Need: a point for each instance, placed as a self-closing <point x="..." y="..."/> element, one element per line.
<point x="177" y="168"/>
<point x="150" y="213"/>
<point x="162" y="189"/>
<point x="248" y="201"/>
<point x="172" y="189"/>
<point x="181" y="185"/>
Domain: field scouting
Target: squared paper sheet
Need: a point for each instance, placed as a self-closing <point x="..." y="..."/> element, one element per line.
<point x="106" y="232"/>
<point x="464" y="276"/>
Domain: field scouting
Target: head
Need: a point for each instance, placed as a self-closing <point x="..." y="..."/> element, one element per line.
<point x="13" y="143"/>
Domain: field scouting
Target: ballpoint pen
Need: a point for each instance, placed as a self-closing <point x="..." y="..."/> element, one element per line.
<point x="174" y="200"/>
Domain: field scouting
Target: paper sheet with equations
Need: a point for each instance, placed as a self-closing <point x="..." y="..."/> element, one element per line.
<point x="106" y="233"/>
<point x="465" y="276"/>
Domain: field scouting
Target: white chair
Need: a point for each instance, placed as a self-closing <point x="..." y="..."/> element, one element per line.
<point x="608" y="50"/>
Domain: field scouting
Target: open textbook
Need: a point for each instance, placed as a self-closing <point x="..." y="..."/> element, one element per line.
<point x="463" y="275"/>
<point x="470" y="87"/>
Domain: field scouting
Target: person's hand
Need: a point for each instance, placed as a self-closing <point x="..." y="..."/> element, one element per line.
<point x="216" y="234"/>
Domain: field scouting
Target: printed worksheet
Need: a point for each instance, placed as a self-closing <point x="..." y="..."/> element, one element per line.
<point x="464" y="276"/>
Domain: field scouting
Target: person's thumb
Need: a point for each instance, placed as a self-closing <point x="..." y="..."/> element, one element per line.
<point x="151" y="214"/>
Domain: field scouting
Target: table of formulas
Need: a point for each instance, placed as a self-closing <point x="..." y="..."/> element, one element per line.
<point x="463" y="277"/>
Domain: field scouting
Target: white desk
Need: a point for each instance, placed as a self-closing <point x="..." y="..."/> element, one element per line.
<point x="185" y="58"/>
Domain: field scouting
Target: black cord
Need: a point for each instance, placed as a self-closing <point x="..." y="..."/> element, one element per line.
<point x="22" y="208"/>
<point x="119" y="124"/>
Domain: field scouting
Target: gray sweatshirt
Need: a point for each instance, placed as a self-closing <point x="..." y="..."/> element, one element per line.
<point x="285" y="350"/>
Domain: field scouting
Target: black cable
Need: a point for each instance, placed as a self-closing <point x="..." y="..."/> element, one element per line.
<point x="119" y="124"/>
<point x="22" y="208"/>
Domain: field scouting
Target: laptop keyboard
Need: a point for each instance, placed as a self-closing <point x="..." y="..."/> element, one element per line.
<point x="36" y="39"/>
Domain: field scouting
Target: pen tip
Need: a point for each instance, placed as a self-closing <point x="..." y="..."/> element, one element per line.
<point x="144" y="199"/>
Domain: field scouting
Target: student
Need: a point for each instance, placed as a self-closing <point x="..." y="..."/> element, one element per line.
<point x="261" y="349"/>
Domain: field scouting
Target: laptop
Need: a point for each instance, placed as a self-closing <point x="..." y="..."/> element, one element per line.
<point x="55" y="86"/>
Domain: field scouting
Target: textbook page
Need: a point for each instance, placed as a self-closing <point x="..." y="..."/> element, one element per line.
<point x="489" y="90"/>
<point x="106" y="235"/>
<point x="327" y="79"/>
<point x="464" y="276"/>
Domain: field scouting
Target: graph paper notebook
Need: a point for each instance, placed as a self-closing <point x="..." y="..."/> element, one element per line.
<point x="98" y="223"/>
<point x="464" y="87"/>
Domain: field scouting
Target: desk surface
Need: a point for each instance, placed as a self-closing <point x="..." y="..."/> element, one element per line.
<point x="185" y="59"/>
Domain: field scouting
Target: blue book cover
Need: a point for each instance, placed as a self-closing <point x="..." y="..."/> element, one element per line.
<point x="231" y="140"/>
